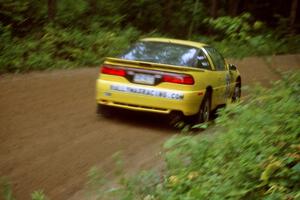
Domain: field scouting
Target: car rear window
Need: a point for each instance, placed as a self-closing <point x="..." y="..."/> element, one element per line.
<point x="161" y="52"/>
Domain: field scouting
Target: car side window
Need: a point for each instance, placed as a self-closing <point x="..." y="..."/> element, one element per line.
<point x="216" y="58"/>
<point x="202" y="61"/>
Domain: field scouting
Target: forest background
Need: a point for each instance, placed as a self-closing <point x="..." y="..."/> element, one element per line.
<point x="38" y="35"/>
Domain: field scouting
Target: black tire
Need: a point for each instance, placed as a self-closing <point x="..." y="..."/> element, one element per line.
<point x="204" y="114"/>
<point x="237" y="93"/>
<point x="104" y="111"/>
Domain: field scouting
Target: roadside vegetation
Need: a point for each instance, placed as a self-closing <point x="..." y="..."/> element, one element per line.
<point x="254" y="153"/>
<point x="7" y="191"/>
<point x="36" y="35"/>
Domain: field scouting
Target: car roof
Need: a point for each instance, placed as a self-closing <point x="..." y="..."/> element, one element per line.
<point x="175" y="41"/>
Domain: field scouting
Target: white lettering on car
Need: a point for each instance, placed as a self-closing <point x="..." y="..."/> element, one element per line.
<point x="148" y="92"/>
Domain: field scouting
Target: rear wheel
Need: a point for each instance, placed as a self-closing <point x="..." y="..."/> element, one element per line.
<point x="204" y="113"/>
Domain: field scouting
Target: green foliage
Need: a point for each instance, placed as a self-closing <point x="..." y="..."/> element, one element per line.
<point x="242" y="36"/>
<point x="119" y="163"/>
<point x="141" y="185"/>
<point x="7" y="192"/>
<point x="234" y="28"/>
<point x="69" y="11"/>
<point x="186" y="10"/>
<point x="260" y="45"/>
<point x="95" y="183"/>
<point x="14" y="10"/>
<point x="38" y="195"/>
<point x="256" y="155"/>
<point x="55" y="47"/>
<point x="83" y="32"/>
<point x="6" y="189"/>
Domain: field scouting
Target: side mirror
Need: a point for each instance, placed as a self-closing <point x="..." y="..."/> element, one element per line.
<point x="232" y="67"/>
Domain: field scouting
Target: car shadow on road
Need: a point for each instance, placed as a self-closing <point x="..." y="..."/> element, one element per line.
<point x="141" y="119"/>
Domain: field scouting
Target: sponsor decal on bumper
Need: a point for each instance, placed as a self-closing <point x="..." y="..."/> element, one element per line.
<point x="148" y="92"/>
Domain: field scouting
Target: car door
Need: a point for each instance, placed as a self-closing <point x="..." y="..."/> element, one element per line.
<point x="221" y="74"/>
<point x="204" y="62"/>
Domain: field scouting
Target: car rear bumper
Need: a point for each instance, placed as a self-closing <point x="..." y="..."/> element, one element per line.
<point x="147" y="98"/>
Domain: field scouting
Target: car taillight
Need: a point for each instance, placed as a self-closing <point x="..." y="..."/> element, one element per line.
<point x="105" y="69"/>
<point x="180" y="79"/>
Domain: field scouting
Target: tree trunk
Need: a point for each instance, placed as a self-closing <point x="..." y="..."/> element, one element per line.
<point x="51" y="10"/>
<point x="293" y="14"/>
<point x="167" y="15"/>
<point x="233" y="6"/>
<point x="214" y="8"/>
<point x="93" y="6"/>
<point x="193" y="19"/>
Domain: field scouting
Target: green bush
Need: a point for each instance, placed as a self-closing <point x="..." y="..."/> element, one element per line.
<point x="58" y="47"/>
<point x="254" y="154"/>
<point x="241" y="36"/>
<point x="86" y="44"/>
<point x="259" y="45"/>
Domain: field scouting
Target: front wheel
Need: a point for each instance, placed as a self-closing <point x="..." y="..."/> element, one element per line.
<point x="236" y="93"/>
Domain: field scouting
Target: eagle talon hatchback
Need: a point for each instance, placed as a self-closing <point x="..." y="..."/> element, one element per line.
<point x="168" y="76"/>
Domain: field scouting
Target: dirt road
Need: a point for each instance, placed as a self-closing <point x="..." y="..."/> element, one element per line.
<point x="50" y="136"/>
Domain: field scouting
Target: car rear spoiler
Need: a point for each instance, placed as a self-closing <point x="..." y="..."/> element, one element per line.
<point x="143" y="64"/>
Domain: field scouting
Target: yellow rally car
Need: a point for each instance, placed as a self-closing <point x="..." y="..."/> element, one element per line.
<point x="168" y="76"/>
